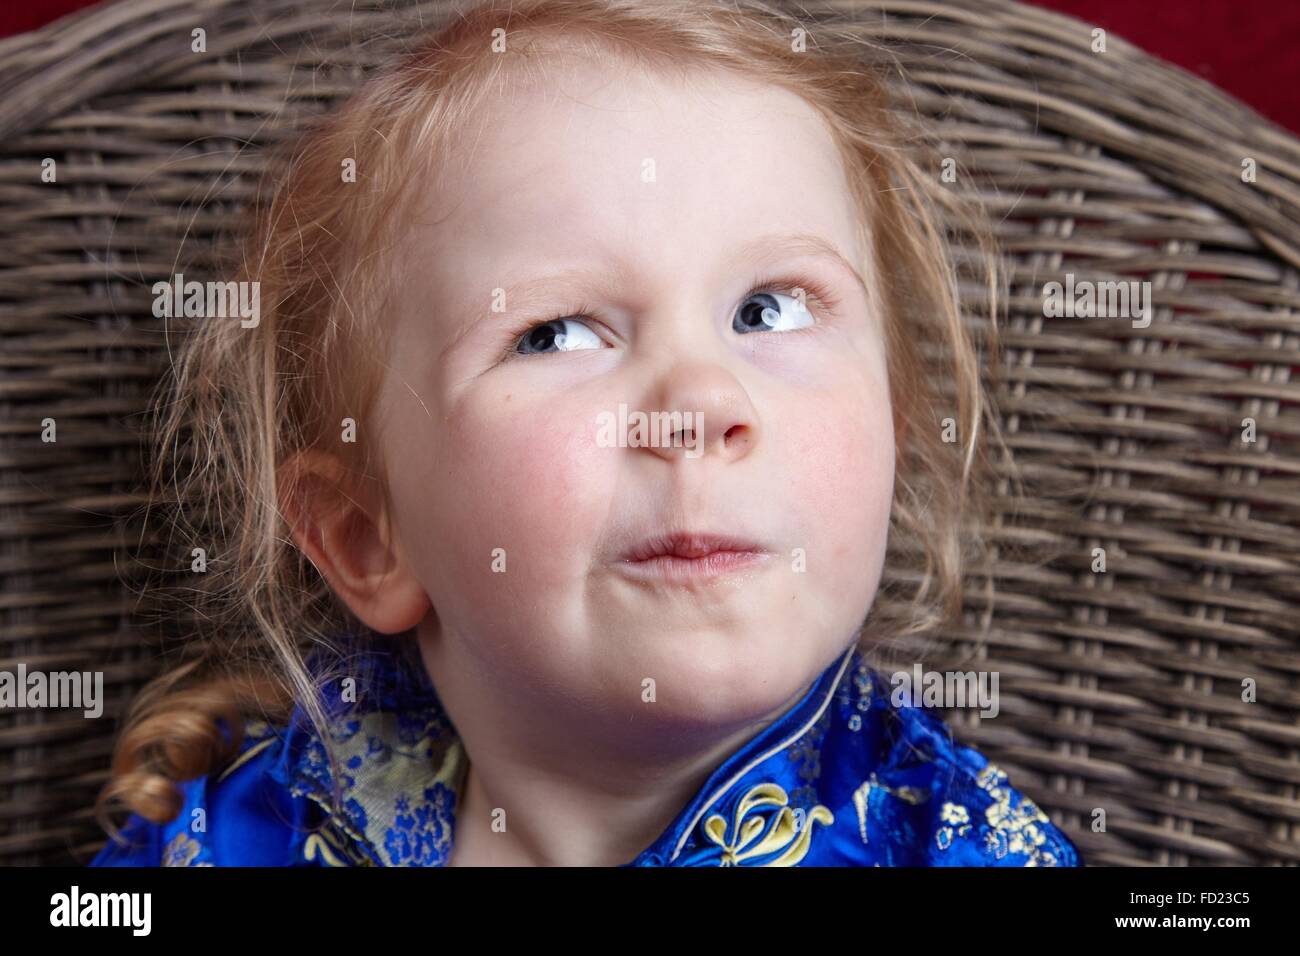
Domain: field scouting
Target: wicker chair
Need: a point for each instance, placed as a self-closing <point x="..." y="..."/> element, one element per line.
<point x="1120" y="691"/>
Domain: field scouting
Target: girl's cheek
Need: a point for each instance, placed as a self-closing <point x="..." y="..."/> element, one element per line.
<point x="851" y="476"/>
<point x="523" y="478"/>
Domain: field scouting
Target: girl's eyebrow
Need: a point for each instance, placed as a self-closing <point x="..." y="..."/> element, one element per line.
<point x="800" y="243"/>
<point x="512" y="291"/>
<point x="768" y="247"/>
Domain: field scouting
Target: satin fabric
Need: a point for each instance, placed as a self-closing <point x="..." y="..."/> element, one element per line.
<point x="843" y="778"/>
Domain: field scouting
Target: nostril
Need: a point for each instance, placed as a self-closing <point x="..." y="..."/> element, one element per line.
<point x="726" y="438"/>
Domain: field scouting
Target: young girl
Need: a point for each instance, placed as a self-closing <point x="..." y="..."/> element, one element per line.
<point x="604" y="346"/>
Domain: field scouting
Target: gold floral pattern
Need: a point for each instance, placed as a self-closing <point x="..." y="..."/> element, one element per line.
<point x="862" y="796"/>
<point x="1014" y="823"/>
<point x="330" y="846"/>
<point x="181" y="850"/>
<point x="402" y="777"/>
<point x="775" y="833"/>
<point x="1015" y="826"/>
<point x="952" y="815"/>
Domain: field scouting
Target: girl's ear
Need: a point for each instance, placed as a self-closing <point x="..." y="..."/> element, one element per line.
<point x="343" y="532"/>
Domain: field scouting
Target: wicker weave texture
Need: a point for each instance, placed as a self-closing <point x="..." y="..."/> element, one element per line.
<point x="1120" y="691"/>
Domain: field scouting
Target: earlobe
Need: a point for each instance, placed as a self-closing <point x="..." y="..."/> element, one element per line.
<point x="341" y="532"/>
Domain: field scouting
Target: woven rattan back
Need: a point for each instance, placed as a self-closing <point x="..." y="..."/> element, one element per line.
<point x="1121" y="691"/>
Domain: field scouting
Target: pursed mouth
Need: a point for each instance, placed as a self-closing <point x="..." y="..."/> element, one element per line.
<point x="688" y="556"/>
<point x="691" y="546"/>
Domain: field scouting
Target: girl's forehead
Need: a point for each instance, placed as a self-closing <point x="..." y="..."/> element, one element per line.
<point x="635" y="160"/>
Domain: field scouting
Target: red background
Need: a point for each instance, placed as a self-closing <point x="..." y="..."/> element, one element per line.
<point x="1246" y="47"/>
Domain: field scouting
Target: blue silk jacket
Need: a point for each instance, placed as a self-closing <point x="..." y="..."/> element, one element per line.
<point x="843" y="778"/>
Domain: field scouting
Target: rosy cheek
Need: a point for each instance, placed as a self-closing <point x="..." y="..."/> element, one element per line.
<point x="526" y="478"/>
<point x="850" y="476"/>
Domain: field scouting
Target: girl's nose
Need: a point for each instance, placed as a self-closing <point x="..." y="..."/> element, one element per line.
<point x="708" y="410"/>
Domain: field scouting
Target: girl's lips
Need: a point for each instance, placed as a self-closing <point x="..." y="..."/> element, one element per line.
<point x="689" y="544"/>
<point x="690" y="556"/>
<point x="668" y="567"/>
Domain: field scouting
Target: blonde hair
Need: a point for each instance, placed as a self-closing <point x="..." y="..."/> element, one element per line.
<point x="243" y="401"/>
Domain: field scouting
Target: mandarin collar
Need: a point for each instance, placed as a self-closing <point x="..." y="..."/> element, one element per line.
<point x="750" y="779"/>
<point x="402" y="765"/>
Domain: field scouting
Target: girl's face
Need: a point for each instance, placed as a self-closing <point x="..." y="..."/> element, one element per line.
<point x="645" y="213"/>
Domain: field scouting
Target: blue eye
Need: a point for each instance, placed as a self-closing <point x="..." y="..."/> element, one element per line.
<point x="565" y="335"/>
<point x="762" y="312"/>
